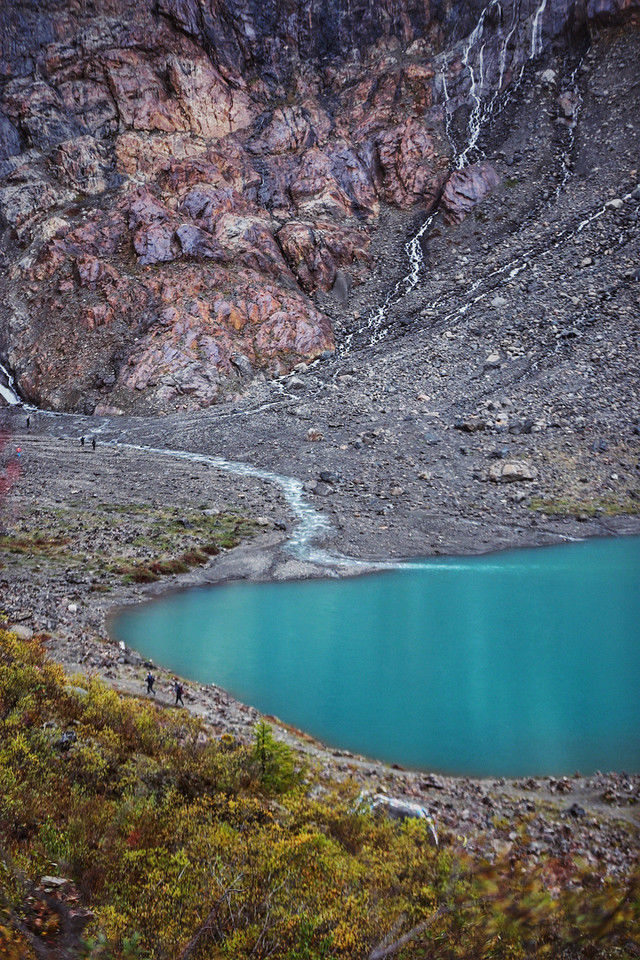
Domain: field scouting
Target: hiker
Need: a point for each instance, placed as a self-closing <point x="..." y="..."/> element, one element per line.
<point x="179" y="690"/>
<point x="93" y="443"/>
<point x="150" y="682"/>
<point x="28" y="422"/>
<point x="82" y="441"/>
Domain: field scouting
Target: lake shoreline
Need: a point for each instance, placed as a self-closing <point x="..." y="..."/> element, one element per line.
<point x="38" y="601"/>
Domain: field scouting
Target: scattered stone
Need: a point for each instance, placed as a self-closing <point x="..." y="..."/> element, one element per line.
<point x="431" y="782"/>
<point x="328" y="477"/>
<point x="470" y="424"/>
<point x="523" y="427"/>
<point x="53" y="883"/>
<point x="314" y="434"/>
<point x="66" y="741"/>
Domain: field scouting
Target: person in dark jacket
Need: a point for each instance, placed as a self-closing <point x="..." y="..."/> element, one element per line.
<point x="150" y="682"/>
<point x="179" y="690"/>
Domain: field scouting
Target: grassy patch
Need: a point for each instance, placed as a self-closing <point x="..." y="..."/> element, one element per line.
<point x="136" y="542"/>
<point x="35" y="544"/>
<point x="597" y="506"/>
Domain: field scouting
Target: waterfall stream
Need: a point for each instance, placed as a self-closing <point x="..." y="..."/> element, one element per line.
<point x="7" y="390"/>
<point x="483" y="109"/>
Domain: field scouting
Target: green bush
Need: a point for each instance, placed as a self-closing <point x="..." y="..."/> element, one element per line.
<point x="275" y="760"/>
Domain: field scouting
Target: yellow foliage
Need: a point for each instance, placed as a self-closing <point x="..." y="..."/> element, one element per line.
<point x="173" y="841"/>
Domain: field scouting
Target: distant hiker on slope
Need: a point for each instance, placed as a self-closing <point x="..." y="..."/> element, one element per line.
<point x="150" y="682"/>
<point x="179" y="690"/>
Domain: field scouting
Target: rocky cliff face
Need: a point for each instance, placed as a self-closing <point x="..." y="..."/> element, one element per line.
<point x="179" y="179"/>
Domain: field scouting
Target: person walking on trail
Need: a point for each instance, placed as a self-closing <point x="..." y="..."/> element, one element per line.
<point x="93" y="443"/>
<point x="82" y="441"/>
<point x="150" y="682"/>
<point x="179" y="690"/>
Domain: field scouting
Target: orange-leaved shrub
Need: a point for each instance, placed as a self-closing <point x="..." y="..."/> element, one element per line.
<point x="166" y="843"/>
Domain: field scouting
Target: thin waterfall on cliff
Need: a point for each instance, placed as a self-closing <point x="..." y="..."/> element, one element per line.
<point x="483" y="108"/>
<point x="7" y="391"/>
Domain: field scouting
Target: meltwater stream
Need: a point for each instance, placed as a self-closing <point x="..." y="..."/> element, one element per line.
<point x="486" y="101"/>
<point x="524" y="662"/>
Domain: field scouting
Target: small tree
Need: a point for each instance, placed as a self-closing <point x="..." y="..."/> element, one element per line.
<point x="276" y="761"/>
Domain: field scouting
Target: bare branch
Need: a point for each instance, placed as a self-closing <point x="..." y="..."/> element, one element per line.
<point x="385" y="949"/>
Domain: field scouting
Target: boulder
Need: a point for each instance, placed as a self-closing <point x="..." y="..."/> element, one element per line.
<point x="512" y="471"/>
<point x="465" y="189"/>
<point x="401" y="809"/>
<point x="568" y="103"/>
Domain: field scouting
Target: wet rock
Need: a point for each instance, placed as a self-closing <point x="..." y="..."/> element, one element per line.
<point x="342" y="286"/>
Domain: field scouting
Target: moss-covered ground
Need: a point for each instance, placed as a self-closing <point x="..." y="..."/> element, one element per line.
<point x="133" y="542"/>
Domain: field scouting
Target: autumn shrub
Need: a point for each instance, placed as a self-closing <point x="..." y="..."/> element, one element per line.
<point x="184" y="846"/>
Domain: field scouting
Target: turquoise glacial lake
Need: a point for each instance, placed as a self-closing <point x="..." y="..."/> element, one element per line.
<point x="515" y="663"/>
